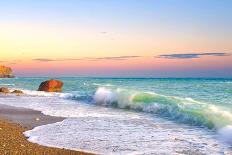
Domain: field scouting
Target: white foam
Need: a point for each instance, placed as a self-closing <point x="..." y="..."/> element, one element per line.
<point x="59" y="107"/>
<point x="46" y="94"/>
<point x="226" y="134"/>
<point x="104" y="96"/>
<point x="101" y="84"/>
<point x="107" y="135"/>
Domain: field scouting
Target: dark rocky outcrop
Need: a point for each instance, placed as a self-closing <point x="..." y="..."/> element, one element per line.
<point x="18" y="92"/>
<point x="51" y="86"/>
<point x="4" y="90"/>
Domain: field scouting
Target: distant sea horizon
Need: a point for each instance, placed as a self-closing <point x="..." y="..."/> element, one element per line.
<point x="127" y="77"/>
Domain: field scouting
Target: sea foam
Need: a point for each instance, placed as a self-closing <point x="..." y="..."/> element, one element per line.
<point x="226" y="134"/>
<point x="104" y="97"/>
<point x="125" y="135"/>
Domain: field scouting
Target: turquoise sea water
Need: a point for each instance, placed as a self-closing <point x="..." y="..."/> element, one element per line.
<point x="147" y="106"/>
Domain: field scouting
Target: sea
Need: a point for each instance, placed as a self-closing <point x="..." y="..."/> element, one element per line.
<point x="131" y="116"/>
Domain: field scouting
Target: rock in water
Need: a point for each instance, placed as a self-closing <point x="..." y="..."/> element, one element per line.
<point x="4" y="90"/>
<point x="6" y="72"/>
<point x="18" y="92"/>
<point x="51" y="86"/>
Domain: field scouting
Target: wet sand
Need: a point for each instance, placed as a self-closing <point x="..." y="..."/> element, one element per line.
<point x="14" y="121"/>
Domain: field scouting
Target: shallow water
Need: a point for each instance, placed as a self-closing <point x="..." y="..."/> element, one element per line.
<point x="132" y="116"/>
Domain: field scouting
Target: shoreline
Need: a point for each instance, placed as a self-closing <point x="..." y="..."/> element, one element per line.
<point x="14" y="121"/>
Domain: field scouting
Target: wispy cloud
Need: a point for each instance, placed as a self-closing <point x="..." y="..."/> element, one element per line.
<point x="191" y="55"/>
<point x="104" y="32"/>
<point x="116" y="58"/>
<point x="12" y="62"/>
<point x="47" y="60"/>
<point x="43" y="60"/>
<point x="121" y="58"/>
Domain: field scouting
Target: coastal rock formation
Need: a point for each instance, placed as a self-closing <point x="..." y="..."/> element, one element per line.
<point x="18" y="92"/>
<point x="6" y="72"/>
<point x="4" y="90"/>
<point x="51" y="86"/>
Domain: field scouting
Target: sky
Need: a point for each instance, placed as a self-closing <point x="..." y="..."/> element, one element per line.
<point x="117" y="38"/>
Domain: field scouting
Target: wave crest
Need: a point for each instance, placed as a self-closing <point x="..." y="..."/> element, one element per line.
<point x="181" y="109"/>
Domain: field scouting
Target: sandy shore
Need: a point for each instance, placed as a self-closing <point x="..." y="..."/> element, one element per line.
<point x="14" y="121"/>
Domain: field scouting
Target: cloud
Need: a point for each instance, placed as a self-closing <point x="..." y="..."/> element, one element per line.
<point x="103" y="32"/>
<point x="47" y="60"/>
<point x="12" y="62"/>
<point x="44" y="60"/>
<point x="191" y="55"/>
<point x="87" y="58"/>
<point x="115" y="58"/>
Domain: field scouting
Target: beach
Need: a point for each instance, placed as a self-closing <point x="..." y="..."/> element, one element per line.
<point x="14" y="121"/>
<point x="116" y="77"/>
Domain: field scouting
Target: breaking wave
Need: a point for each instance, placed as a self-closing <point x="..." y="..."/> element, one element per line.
<point x="185" y="110"/>
<point x="182" y="109"/>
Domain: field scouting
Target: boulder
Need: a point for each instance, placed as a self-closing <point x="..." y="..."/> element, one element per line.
<point x="18" y="92"/>
<point x="6" y="72"/>
<point x="4" y="90"/>
<point x="51" y="86"/>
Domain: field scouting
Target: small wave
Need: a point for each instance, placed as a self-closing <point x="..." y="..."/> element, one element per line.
<point x="97" y="84"/>
<point x="105" y="84"/>
<point x="48" y="94"/>
<point x="71" y="96"/>
<point x="6" y="84"/>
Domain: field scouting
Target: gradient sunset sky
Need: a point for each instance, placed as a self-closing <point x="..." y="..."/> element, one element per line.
<point x="120" y="38"/>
